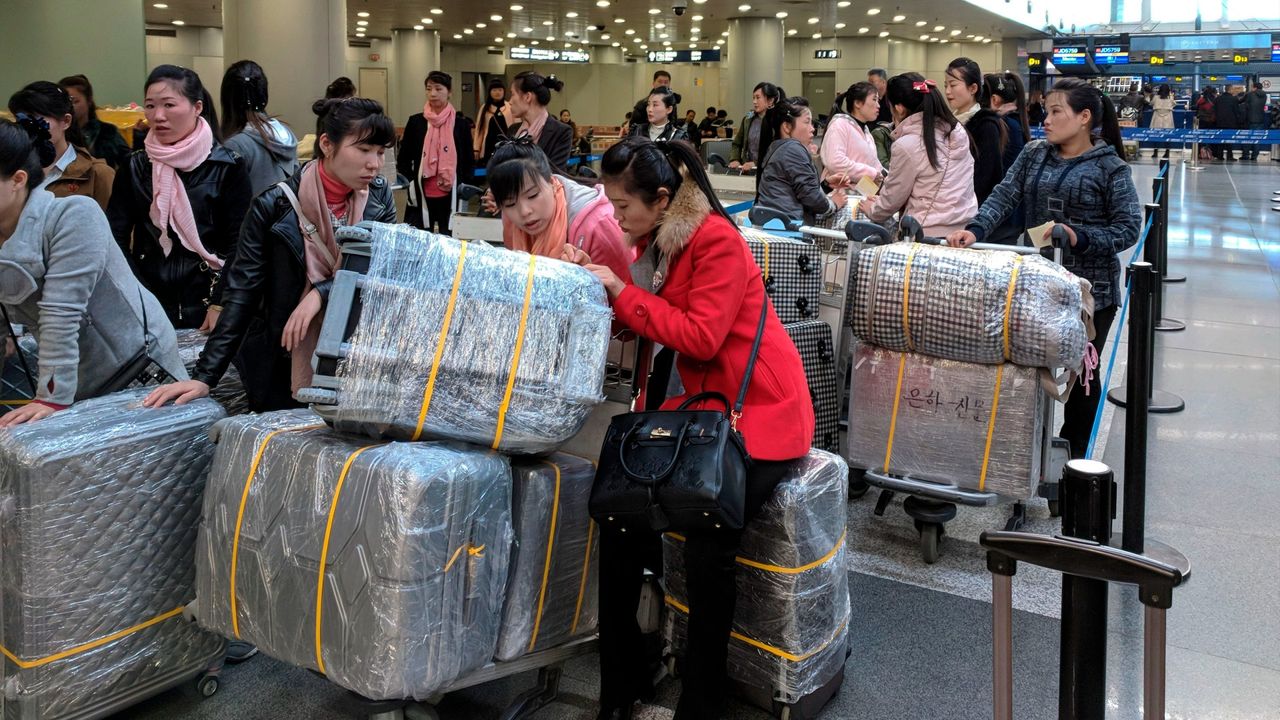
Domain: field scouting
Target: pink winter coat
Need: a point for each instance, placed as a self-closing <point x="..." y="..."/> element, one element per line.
<point x="593" y="228"/>
<point x="940" y="198"/>
<point x="848" y="149"/>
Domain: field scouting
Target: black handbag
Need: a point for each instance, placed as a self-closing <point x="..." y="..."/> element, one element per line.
<point x="676" y="470"/>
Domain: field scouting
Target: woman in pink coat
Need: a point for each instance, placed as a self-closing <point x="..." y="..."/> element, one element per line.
<point x="931" y="170"/>
<point x="848" y="150"/>
<point x="542" y="212"/>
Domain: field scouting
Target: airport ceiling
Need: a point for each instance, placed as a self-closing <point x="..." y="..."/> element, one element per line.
<point x="651" y="23"/>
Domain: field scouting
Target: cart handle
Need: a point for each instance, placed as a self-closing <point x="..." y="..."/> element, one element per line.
<point x="761" y="214"/>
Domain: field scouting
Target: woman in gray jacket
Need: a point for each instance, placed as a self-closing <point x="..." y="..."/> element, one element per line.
<point x="63" y="276"/>
<point x="788" y="179"/>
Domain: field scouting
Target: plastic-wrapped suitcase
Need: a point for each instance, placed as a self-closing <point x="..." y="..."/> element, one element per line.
<point x="792" y="274"/>
<point x="551" y="591"/>
<point x="980" y="427"/>
<point x="813" y="339"/>
<point x="230" y="391"/>
<point x="790" y="636"/>
<point x="100" y="505"/>
<point x="380" y="565"/>
<point x="16" y="387"/>
<point x="445" y="339"/>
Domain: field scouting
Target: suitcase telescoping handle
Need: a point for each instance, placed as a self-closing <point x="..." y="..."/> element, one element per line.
<point x="909" y="229"/>
<point x="1156" y="574"/>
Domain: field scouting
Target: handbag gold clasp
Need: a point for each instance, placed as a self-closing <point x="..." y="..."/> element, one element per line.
<point x="660" y="433"/>
<point x="734" y="415"/>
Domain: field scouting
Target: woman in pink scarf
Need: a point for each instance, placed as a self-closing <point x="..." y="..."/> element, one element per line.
<point x="277" y="284"/>
<point x="435" y="154"/>
<point x="176" y="208"/>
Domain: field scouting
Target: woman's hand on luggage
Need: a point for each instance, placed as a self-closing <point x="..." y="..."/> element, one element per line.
<point x="210" y="320"/>
<point x="179" y="393"/>
<point x="961" y="238"/>
<point x="25" y="414"/>
<point x="748" y="167"/>
<point x="488" y="203"/>
<point x="839" y="198"/>
<point x="296" y="329"/>
<point x="612" y="283"/>
<point x="735" y="165"/>
<point x="1071" y="234"/>
<point x="575" y="255"/>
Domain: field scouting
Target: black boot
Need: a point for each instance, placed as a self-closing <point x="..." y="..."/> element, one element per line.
<point x="622" y="713"/>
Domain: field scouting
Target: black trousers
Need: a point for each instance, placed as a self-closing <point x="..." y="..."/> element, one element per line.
<point x="434" y="215"/>
<point x="710" y="569"/>
<point x="1077" y="419"/>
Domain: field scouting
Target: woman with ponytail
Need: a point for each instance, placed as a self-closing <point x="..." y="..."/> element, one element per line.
<point x="63" y="276"/>
<point x="74" y="171"/>
<point x="696" y="290"/>
<point x="1007" y="99"/>
<point x="1075" y="177"/>
<point x="278" y="281"/>
<point x="988" y="135"/>
<point x="266" y="146"/>
<point x="788" y="180"/>
<point x="848" y="148"/>
<point x="530" y="95"/>
<point x="931" y="171"/>
<point x="177" y="205"/>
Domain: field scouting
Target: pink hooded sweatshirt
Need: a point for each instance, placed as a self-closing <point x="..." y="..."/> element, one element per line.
<point x="848" y="149"/>
<point x="940" y="198"/>
<point x="593" y="228"/>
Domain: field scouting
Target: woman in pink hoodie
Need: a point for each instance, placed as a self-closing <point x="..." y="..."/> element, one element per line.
<point x="543" y="213"/>
<point x="848" y="150"/>
<point x="931" y="170"/>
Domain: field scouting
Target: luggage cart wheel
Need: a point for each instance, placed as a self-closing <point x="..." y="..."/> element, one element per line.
<point x="858" y="485"/>
<point x="1055" y="510"/>
<point x="930" y="541"/>
<point x="929" y="516"/>
<point x="207" y="685"/>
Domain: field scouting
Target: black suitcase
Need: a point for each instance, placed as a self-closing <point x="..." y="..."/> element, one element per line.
<point x="813" y="339"/>
<point x="792" y="274"/>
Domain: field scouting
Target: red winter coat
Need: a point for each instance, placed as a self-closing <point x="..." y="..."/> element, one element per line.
<point x="707" y="310"/>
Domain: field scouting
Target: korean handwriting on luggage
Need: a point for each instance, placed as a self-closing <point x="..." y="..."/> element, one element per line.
<point x="932" y="401"/>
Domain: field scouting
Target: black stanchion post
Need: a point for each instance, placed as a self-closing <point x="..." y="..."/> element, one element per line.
<point x="1157" y="401"/>
<point x="1143" y="279"/>
<point x="1088" y="506"/>
<point x="1156" y="252"/>
<point x="1163" y="266"/>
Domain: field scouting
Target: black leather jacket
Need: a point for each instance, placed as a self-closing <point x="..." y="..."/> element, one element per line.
<point x="260" y="289"/>
<point x="219" y="192"/>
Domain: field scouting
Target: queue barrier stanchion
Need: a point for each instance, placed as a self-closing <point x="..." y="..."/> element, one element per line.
<point x="1156" y="252"/>
<point x="1141" y="369"/>
<point x="1163" y="266"/>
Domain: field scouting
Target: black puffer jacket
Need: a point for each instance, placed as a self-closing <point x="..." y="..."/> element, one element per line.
<point x="261" y="287"/>
<point x="219" y="192"/>
<point x="986" y="131"/>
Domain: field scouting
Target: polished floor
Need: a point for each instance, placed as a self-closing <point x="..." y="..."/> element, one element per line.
<point x="921" y="633"/>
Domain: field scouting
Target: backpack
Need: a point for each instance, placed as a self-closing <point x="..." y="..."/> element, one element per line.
<point x="1205" y="112"/>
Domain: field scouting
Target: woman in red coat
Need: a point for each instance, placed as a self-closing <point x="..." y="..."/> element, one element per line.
<point x="694" y="289"/>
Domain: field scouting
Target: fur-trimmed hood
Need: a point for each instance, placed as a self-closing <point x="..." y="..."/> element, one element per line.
<point x="686" y="213"/>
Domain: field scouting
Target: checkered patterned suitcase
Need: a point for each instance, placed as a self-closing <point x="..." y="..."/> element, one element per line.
<point x="837" y="221"/>
<point x="792" y="274"/>
<point x="813" y="340"/>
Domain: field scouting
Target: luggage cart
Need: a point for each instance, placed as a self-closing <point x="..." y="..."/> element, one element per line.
<point x="930" y="504"/>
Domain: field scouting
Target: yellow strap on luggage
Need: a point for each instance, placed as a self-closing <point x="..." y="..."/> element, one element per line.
<point x="472" y="550"/>
<point x="440" y="341"/>
<point x="244" y="500"/>
<point x="15" y="403"/>
<point x="582" y="586"/>
<point x="906" y="298"/>
<point x="779" y="652"/>
<point x="765" y="274"/>
<point x="1008" y="303"/>
<point x="893" y="418"/>
<point x="778" y="568"/>
<point x="324" y="547"/>
<point x="30" y="664"/>
<point x="546" y="567"/>
<point x="991" y="428"/>
<point x="515" y="355"/>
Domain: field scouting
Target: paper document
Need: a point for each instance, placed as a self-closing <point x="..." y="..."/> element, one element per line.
<point x="1037" y="234"/>
<point x="867" y="187"/>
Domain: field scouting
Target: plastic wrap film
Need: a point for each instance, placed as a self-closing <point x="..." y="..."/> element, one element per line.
<point x="230" y="390"/>
<point x="979" y="427"/>
<point x="100" y="505"/>
<point x="16" y="385"/>
<point x="380" y="565"/>
<point x="976" y="306"/>
<point x="464" y="341"/>
<point x="551" y="592"/>
<point x="790" y="625"/>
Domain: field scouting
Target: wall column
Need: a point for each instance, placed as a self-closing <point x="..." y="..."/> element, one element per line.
<point x="414" y="53"/>
<point x="755" y="56"/>
<point x="300" y="44"/>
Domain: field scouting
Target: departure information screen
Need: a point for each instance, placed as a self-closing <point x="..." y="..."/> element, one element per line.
<point x="1069" y="55"/>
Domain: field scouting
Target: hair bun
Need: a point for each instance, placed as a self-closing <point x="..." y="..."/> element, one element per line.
<point x="553" y="83"/>
<point x="38" y="130"/>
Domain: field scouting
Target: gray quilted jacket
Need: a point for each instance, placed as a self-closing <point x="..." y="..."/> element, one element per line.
<point x="1093" y="194"/>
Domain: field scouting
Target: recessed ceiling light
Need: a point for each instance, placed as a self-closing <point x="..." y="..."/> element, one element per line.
<point x="792" y="31"/>
<point x="986" y="41"/>
<point x="654" y="11"/>
<point x="813" y="21"/>
<point x="697" y="18"/>
<point x="362" y="14"/>
<point x="720" y="42"/>
<point x="496" y="18"/>
<point x="939" y="28"/>
<point x="571" y="14"/>
<point x="660" y="26"/>
<point x="817" y="36"/>
<point x="481" y="25"/>
<point x="955" y="32"/>
<point x="620" y="20"/>
<point x="511" y="35"/>
<point x="725" y="33"/>
<point x="456" y="36"/>
<point x="437" y="11"/>
<point x="497" y="39"/>
<point x="551" y="38"/>
<point x="873" y="11"/>
<point x="617" y="44"/>
<point x="840" y="26"/>
<point x="899" y="18"/>
<point x="526" y="29"/>
<point x="160" y="6"/>
<point x="630" y="31"/>
<point x="843" y="3"/>
<point x="695" y="30"/>
<point x="744" y="8"/>
<point x="666" y="43"/>
<point x="535" y="42"/>
<point x="921" y="23"/>
<point x="568" y="33"/>
<point x="468" y="31"/>
<point x="864" y="30"/>
<point x="419" y="27"/>
<point x="606" y="36"/>
<point x="934" y="39"/>
<point x="179" y="22"/>
<point x="602" y="3"/>
<point x="663" y="36"/>
<point x="924" y="37"/>
<point x="693" y="45"/>
<point x="547" y="23"/>
<point x="517" y="8"/>
<point x="780" y="15"/>
<point x="884" y="33"/>
<point x="362" y="23"/>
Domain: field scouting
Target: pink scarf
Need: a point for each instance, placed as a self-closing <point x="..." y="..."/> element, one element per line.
<point x="534" y="129"/>
<point x="439" y="156"/>
<point x="321" y="254"/>
<point x="169" y="201"/>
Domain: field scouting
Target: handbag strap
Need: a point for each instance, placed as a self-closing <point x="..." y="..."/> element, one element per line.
<point x="22" y="359"/>
<point x="751" y="360"/>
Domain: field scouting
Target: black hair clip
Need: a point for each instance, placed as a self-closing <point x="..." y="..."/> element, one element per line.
<point x="523" y="139"/>
<point x="36" y="127"/>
